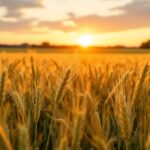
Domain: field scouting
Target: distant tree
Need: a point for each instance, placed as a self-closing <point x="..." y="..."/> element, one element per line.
<point x="145" y="44"/>
<point x="24" y="45"/>
<point x="45" y="45"/>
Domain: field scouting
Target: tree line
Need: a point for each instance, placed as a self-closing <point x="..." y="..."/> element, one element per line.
<point x="45" y="44"/>
<point x="145" y="44"/>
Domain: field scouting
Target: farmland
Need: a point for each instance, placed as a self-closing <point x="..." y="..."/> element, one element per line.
<point x="98" y="101"/>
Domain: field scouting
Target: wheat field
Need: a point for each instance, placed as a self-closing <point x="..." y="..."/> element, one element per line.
<point x="74" y="102"/>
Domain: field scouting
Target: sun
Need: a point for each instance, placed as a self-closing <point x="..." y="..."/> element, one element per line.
<point x="85" y="40"/>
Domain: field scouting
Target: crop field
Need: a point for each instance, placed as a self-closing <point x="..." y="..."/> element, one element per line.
<point x="74" y="101"/>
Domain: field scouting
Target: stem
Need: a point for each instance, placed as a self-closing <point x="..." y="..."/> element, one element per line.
<point x="127" y="145"/>
<point x="50" y="127"/>
<point x="35" y="142"/>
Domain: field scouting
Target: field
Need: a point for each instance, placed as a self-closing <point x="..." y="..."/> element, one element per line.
<point x="74" y="101"/>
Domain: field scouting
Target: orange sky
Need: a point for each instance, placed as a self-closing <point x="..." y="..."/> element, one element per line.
<point x="109" y="22"/>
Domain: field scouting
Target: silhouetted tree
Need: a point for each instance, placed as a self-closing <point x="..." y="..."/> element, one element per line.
<point x="24" y="45"/>
<point x="45" y="45"/>
<point x="145" y="44"/>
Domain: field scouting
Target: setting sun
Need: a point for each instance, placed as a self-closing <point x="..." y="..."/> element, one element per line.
<point x="85" y="40"/>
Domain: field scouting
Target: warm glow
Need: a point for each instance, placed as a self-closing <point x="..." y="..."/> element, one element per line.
<point x="85" y="40"/>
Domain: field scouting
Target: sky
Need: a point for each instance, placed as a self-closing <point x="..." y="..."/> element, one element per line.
<point x="109" y="22"/>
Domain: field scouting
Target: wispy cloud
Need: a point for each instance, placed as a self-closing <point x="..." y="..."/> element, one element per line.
<point x="135" y="15"/>
<point x="23" y="25"/>
<point x="14" y="7"/>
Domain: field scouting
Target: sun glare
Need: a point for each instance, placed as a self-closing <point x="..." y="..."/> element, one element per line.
<point x="85" y="40"/>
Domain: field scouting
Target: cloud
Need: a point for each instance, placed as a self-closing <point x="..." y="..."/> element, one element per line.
<point x="134" y="15"/>
<point x="23" y="25"/>
<point x="64" y="25"/>
<point x="55" y="10"/>
<point x="14" y="7"/>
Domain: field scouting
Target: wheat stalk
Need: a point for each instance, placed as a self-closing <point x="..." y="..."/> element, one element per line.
<point x="23" y="145"/>
<point x="63" y="144"/>
<point x="2" y="87"/>
<point x="123" y="115"/>
<point x="124" y="77"/>
<point x="37" y="110"/>
<point x="4" y="142"/>
<point x="140" y="84"/>
<point x="77" y="131"/>
<point x="57" y="97"/>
